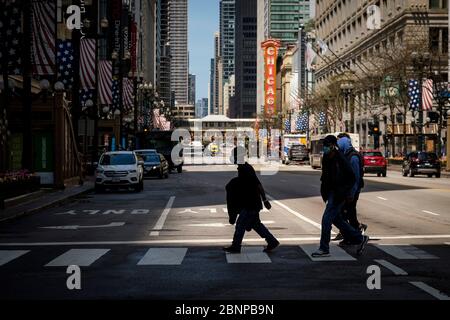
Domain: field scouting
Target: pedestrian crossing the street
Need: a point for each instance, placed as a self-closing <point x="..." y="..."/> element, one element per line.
<point x="176" y="256"/>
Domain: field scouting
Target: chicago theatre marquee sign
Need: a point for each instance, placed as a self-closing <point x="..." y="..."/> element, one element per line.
<point x="270" y="48"/>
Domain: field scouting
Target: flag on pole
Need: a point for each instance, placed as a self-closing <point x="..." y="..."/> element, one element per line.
<point x="322" y="119"/>
<point x="85" y="95"/>
<point x="64" y="60"/>
<point x="302" y="122"/>
<point x="87" y="63"/>
<point x="310" y="55"/>
<point x="287" y="126"/>
<point x="115" y="94"/>
<point x="127" y="93"/>
<point x="10" y="25"/>
<point x="413" y="94"/>
<point x="427" y="95"/>
<point x="43" y="19"/>
<point x="105" y="82"/>
<point x="323" y="47"/>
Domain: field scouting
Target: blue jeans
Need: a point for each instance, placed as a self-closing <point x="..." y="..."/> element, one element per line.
<point x="332" y="215"/>
<point x="248" y="220"/>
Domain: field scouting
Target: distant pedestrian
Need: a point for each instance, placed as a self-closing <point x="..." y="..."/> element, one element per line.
<point x="337" y="181"/>
<point x="356" y="162"/>
<point x="244" y="195"/>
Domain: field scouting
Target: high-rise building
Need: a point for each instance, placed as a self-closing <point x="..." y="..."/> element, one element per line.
<point x="201" y="108"/>
<point x="218" y="68"/>
<point x="281" y="20"/>
<point x="178" y="38"/>
<point x="163" y="52"/>
<point x="228" y="93"/>
<point x="191" y="96"/>
<point x="227" y="18"/>
<point x="244" y="105"/>
<point x="211" y="87"/>
<point x="204" y="107"/>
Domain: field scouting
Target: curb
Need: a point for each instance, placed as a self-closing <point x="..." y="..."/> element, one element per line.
<point x="46" y="206"/>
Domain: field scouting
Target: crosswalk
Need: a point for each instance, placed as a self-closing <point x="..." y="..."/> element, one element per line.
<point x="173" y="256"/>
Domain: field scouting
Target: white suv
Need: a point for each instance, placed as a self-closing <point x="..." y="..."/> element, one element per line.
<point x="119" y="169"/>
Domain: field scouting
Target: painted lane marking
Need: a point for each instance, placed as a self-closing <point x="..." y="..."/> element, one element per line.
<point x="9" y="255"/>
<point x="295" y="213"/>
<point x="430" y="290"/>
<point x="249" y="255"/>
<point x="396" y="270"/>
<point x="198" y="241"/>
<point x="160" y="223"/>
<point x="79" y="257"/>
<point x="75" y="227"/>
<point x="163" y="256"/>
<point x="381" y="198"/>
<point x="336" y="253"/>
<point x="432" y="213"/>
<point x="405" y="252"/>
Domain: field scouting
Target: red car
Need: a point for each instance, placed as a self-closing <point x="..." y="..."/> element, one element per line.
<point x="374" y="162"/>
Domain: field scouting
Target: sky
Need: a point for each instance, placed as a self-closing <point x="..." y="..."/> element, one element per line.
<point x="203" y="22"/>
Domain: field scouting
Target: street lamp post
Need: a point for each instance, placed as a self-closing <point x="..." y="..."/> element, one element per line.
<point x="347" y="89"/>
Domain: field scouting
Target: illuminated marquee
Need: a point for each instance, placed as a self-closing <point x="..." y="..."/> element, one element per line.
<point x="270" y="48"/>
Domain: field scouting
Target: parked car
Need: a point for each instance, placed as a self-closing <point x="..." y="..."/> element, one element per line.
<point x="297" y="152"/>
<point x="374" y="162"/>
<point x="119" y="169"/>
<point x="155" y="165"/>
<point x="421" y="163"/>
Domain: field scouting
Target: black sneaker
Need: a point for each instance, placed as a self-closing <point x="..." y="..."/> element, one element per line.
<point x="320" y="254"/>
<point x="338" y="237"/>
<point x="362" y="245"/>
<point x="345" y="243"/>
<point x="271" y="246"/>
<point x="363" y="228"/>
<point x="232" y="249"/>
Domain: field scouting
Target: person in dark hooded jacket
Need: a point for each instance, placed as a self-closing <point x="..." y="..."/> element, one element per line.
<point x="244" y="194"/>
<point x="337" y="181"/>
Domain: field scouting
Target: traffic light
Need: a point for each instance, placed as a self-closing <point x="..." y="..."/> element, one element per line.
<point x="434" y="117"/>
<point x="374" y="130"/>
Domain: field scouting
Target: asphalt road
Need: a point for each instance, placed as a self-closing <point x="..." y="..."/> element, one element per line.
<point x="165" y="243"/>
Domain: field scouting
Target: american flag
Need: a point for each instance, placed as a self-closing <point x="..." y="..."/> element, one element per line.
<point x="87" y="63"/>
<point x="10" y="25"/>
<point x="427" y="95"/>
<point x="127" y="93"/>
<point x="159" y="121"/>
<point x="115" y="94"/>
<point x="43" y="36"/>
<point x="65" y="61"/>
<point x="85" y="95"/>
<point x="322" y="118"/>
<point x="105" y="82"/>
<point x="413" y="94"/>
<point x="287" y="126"/>
<point x="301" y="124"/>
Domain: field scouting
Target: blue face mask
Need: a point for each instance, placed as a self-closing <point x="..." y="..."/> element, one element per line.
<point x="326" y="150"/>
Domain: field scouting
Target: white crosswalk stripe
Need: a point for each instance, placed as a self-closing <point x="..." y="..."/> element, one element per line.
<point x="249" y="255"/>
<point x="9" y="255"/>
<point x="405" y="252"/>
<point x="163" y="256"/>
<point x="336" y="253"/>
<point x="79" y="257"/>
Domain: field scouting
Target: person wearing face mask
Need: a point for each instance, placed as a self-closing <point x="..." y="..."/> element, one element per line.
<point x="337" y="181"/>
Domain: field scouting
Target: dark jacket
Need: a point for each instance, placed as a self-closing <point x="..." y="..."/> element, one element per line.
<point x="243" y="192"/>
<point x="337" y="177"/>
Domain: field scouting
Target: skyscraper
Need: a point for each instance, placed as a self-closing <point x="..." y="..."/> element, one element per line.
<point x="244" y="105"/>
<point x="218" y="73"/>
<point x="191" y="96"/>
<point x="163" y="51"/>
<point x="281" y="20"/>
<point x="227" y="18"/>
<point x="211" y="87"/>
<point x="178" y="38"/>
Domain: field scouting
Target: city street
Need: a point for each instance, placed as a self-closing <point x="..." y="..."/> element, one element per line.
<point x="166" y="242"/>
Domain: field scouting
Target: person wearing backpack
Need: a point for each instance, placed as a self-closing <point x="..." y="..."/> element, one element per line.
<point x="244" y="195"/>
<point x="337" y="181"/>
<point x="356" y="162"/>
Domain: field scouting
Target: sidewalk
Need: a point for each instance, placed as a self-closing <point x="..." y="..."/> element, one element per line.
<point x="46" y="200"/>
<point x="398" y="168"/>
